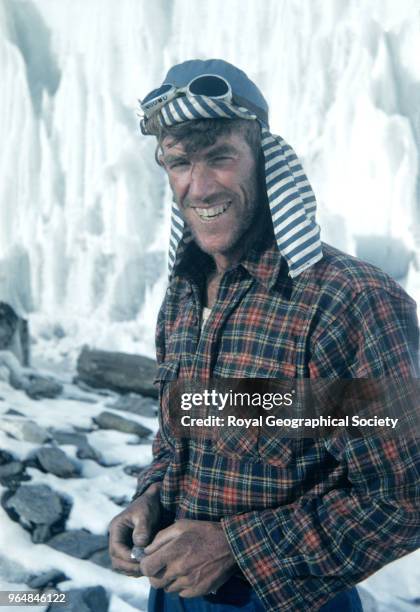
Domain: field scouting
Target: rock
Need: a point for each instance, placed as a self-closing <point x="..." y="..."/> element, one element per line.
<point x="36" y="505"/>
<point x="78" y="543"/>
<point x="24" y="430"/>
<point x="46" y="579"/>
<point x="89" y="389"/>
<point x="39" y="388"/>
<point x="108" y="420"/>
<point x="5" y="457"/>
<point x="32" y="432"/>
<point x="13" y="412"/>
<point x="96" y="598"/>
<point x="14" y="334"/>
<point x="55" y="461"/>
<point x="41" y="534"/>
<point x="12" y="474"/>
<point x="118" y="371"/>
<point x="121" y="500"/>
<point x="92" y="599"/>
<point x="11" y="370"/>
<point x="136" y="404"/>
<point x="13" y="468"/>
<point x="102" y="558"/>
<point x="84" y="450"/>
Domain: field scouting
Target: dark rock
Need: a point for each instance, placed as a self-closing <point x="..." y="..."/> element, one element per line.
<point x="55" y="461"/>
<point x="121" y="500"/>
<point x="84" y="450"/>
<point x="39" y="388"/>
<point x="41" y="534"/>
<point x="96" y="390"/>
<point x="117" y="371"/>
<point x="46" y="579"/>
<point x="13" y="412"/>
<point x="102" y="558"/>
<point x="5" y="457"/>
<point x="13" y="468"/>
<point x="36" y="505"/>
<point x="14" y="334"/>
<point x="108" y="420"/>
<point x="96" y="598"/>
<point x="78" y="543"/>
<point x="12" y="474"/>
<point x="24" y="430"/>
<point x="138" y="441"/>
<point x="92" y="599"/>
<point x="136" y="404"/>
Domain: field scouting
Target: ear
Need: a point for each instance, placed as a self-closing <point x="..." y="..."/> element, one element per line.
<point x="159" y="155"/>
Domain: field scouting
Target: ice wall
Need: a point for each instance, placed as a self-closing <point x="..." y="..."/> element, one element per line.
<point x="83" y="207"/>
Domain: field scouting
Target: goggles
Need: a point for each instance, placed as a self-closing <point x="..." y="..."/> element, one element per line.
<point x="210" y="85"/>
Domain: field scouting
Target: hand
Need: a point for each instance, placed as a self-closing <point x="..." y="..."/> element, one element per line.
<point x="191" y="558"/>
<point x="136" y="525"/>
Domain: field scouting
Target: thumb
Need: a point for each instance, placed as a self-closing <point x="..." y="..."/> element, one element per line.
<point x="141" y="535"/>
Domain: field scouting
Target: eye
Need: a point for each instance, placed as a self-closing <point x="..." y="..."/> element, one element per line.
<point x="181" y="163"/>
<point x="221" y="159"/>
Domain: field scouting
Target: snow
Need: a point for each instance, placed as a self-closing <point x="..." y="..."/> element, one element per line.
<point x="84" y="210"/>
<point x="92" y="494"/>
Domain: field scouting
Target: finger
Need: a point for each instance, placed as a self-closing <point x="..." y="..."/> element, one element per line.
<point x="151" y="565"/>
<point x="163" y="582"/>
<point x="129" y="569"/>
<point x="120" y="541"/>
<point x="162" y="537"/>
<point x="192" y="592"/>
<point x="142" y="533"/>
<point x="177" y="585"/>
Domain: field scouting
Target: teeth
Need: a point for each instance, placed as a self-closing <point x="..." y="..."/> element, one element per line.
<point x="214" y="211"/>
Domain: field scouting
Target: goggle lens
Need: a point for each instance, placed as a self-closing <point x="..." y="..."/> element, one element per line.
<point x="208" y="85"/>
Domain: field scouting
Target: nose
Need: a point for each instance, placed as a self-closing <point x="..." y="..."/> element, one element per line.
<point x="202" y="182"/>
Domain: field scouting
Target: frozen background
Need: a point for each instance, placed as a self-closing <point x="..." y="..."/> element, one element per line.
<point x="84" y="209"/>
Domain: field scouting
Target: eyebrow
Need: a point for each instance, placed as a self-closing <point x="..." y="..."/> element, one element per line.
<point x="222" y="149"/>
<point x="170" y="158"/>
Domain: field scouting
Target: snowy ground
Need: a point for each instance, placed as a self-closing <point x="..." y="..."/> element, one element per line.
<point x="93" y="507"/>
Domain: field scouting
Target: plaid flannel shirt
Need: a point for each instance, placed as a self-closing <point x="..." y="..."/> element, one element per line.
<point x="304" y="522"/>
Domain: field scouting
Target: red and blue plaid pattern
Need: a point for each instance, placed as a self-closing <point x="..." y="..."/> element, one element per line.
<point x="305" y="519"/>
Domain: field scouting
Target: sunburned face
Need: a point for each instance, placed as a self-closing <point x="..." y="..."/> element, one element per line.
<point x="216" y="191"/>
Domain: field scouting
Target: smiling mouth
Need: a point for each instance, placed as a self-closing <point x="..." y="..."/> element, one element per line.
<point x="209" y="214"/>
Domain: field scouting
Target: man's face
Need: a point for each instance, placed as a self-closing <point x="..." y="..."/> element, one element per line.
<point x="215" y="189"/>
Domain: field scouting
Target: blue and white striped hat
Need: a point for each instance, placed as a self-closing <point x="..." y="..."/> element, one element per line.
<point x="290" y="196"/>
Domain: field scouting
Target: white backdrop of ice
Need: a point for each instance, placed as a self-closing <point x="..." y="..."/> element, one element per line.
<point x="83" y="207"/>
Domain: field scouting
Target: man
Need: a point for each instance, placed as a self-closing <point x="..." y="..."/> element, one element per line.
<point x="252" y="522"/>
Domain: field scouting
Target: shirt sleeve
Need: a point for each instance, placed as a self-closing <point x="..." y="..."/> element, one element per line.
<point x="155" y="472"/>
<point x="300" y="555"/>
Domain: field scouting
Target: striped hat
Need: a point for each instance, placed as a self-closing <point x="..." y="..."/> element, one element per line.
<point x="290" y="196"/>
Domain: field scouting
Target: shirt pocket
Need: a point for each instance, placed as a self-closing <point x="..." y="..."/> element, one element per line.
<point x="254" y="444"/>
<point x="239" y="364"/>
<point x="275" y="450"/>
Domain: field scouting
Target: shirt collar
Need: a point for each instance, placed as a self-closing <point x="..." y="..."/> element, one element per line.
<point x="262" y="261"/>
